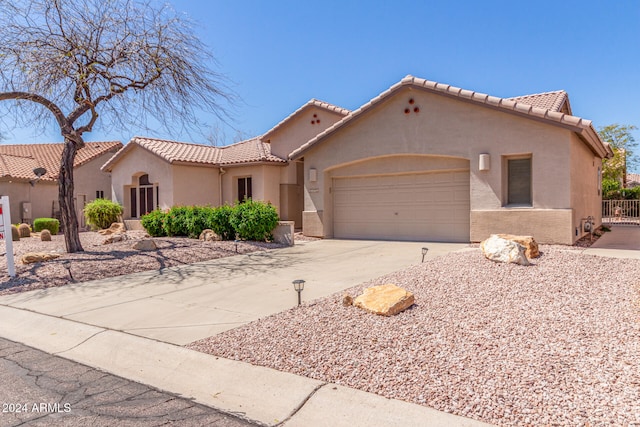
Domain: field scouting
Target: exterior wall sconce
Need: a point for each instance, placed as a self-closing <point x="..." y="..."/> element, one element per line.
<point x="424" y="253"/>
<point x="485" y="162"/>
<point x="313" y="175"/>
<point x="298" y="285"/>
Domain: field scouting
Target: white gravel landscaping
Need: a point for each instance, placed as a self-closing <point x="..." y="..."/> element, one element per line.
<point x="554" y="343"/>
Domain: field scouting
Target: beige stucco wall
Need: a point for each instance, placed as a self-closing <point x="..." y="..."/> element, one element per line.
<point x="41" y="197"/>
<point x="193" y="185"/>
<point x="447" y="127"/>
<point x="299" y="129"/>
<point x="586" y="198"/>
<point x="88" y="178"/>
<point x="265" y="183"/>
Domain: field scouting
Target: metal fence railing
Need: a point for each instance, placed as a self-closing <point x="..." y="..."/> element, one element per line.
<point x="621" y="212"/>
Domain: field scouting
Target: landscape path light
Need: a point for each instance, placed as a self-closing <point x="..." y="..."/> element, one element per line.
<point x="298" y="285"/>
<point x="424" y="253"/>
<point x="67" y="264"/>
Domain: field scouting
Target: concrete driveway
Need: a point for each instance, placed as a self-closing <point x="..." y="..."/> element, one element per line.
<point x="623" y="241"/>
<point x="182" y="304"/>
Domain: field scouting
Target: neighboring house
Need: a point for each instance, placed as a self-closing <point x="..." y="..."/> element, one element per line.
<point x="421" y="161"/>
<point x="152" y="173"/>
<point x="633" y="180"/>
<point x="32" y="197"/>
<point x="428" y="161"/>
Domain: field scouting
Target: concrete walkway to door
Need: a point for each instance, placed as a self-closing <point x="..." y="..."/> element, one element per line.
<point x="182" y="304"/>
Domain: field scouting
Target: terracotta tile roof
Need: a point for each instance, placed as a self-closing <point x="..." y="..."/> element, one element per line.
<point x="18" y="161"/>
<point x="249" y="151"/>
<point x="312" y="102"/>
<point x="582" y="127"/>
<point x="553" y="101"/>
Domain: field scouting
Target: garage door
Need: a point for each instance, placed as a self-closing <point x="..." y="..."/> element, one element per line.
<point x="423" y="206"/>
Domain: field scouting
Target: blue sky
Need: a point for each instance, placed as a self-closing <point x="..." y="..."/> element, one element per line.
<point x="279" y="54"/>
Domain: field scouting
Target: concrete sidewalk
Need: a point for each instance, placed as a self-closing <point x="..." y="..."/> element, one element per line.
<point x="623" y="241"/>
<point x="132" y="325"/>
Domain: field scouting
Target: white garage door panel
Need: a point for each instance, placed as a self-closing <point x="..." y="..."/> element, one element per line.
<point x="428" y="206"/>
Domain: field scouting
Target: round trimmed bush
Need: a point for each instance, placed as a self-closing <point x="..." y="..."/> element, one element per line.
<point x="254" y="220"/>
<point x="101" y="213"/>
<point x="219" y="222"/>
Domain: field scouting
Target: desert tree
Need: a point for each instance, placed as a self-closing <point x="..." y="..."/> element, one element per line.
<point x="79" y="64"/>
<point x="623" y="144"/>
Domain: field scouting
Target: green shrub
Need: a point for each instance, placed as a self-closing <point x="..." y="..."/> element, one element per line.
<point x="219" y="222"/>
<point x="198" y="218"/>
<point x="254" y="220"/>
<point x="101" y="213"/>
<point x="51" y="224"/>
<point x="153" y="222"/>
<point x="175" y="223"/>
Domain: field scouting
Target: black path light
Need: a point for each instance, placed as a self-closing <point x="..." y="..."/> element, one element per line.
<point x="424" y="253"/>
<point x="298" y="285"/>
<point x="67" y="264"/>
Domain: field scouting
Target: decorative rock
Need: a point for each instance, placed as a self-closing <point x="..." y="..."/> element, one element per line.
<point x="347" y="300"/>
<point x="385" y="300"/>
<point x="208" y="235"/>
<point x="116" y="227"/>
<point x="45" y="235"/>
<point x="116" y="237"/>
<point x="145" y="245"/>
<point x="31" y="257"/>
<point x="502" y="250"/>
<point x="528" y="242"/>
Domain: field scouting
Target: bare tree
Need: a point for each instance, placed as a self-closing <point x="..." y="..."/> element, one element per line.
<point x="72" y="61"/>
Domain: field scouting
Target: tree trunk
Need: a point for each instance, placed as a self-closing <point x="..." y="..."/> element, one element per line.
<point x="68" y="216"/>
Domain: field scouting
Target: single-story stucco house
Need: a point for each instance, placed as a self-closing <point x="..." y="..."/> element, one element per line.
<point x="34" y="197"/>
<point x="421" y="161"/>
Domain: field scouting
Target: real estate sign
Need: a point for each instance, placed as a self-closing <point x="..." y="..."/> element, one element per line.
<point x="5" y="233"/>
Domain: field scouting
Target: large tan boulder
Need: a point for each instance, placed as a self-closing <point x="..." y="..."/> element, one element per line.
<point x="209" y="235"/>
<point x="116" y="227"/>
<point x="386" y="300"/>
<point x="145" y="245"/>
<point x="31" y="257"/>
<point x="498" y="249"/>
<point x="115" y="237"/>
<point x="529" y="243"/>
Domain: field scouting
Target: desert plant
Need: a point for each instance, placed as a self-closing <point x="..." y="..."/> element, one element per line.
<point x="197" y="219"/>
<point x="254" y="220"/>
<point x="101" y="213"/>
<point x="51" y="224"/>
<point x="175" y="223"/>
<point x="219" y="222"/>
<point x="153" y="223"/>
<point x="24" y="230"/>
<point x="45" y="235"/>
<point x="15" y="234"/>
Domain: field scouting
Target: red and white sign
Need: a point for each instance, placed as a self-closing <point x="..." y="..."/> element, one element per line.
<point x="5" y="218"/>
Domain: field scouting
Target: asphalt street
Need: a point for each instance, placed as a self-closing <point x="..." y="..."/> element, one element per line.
<point x="39" y="389"/>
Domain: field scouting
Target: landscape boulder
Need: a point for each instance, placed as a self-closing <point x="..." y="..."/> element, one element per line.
<point x="209" y="235"/>
<point x="385" y="300"/>
<point x="116" y="227"/>
<point x="31" y="257"/>
<point x="529" y="243"/>
<point x="115" y="237"/>
<point x="145" y="245"/>
<point x="498" y="249"/>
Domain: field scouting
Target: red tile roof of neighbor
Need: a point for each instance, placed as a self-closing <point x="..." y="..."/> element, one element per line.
<point x="552" y="112"/>
<point x="633" y="178"/>
<point x="19" y="161"/>
<point x="245" y="152"/>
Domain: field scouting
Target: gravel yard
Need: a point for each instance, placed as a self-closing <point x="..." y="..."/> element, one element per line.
<point x="99" y="261"/>
<point x="554" y="343"/>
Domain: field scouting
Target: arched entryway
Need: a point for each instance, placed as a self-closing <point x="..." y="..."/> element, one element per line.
<point x="143" y="196"/>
